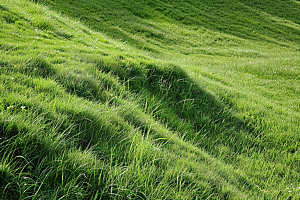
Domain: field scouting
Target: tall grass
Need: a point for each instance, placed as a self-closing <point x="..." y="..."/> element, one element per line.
<point x="152" y="100"/>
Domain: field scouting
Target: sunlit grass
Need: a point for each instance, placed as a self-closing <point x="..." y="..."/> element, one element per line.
<point x="153" y="100"/>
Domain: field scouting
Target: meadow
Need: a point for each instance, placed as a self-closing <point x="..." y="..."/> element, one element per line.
<point x="151" y="99"/>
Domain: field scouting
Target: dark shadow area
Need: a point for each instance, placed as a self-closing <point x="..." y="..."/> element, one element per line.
<point x="30" y="161"/>
<point x="80" y="128"/>
<point x="10" y="129"/>
<point x="169" y="95"/>
<point x="87" y="127"/>
<point x="173" y="99"/>
<point x="2" y="8"/>
<point x="35" y="67"/>
<point x="8" y="16"/>
<point x="60" y="34"/>
<point x="144" y="79"/>
<point x="254" y="20"/>
<point x="39" y="67"/>
<point x="288" y="10"/>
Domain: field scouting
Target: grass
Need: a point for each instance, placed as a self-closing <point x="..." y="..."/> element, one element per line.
<point x="149" y="100"/>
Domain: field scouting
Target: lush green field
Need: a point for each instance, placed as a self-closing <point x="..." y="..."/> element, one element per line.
<point x="153" y="99"/>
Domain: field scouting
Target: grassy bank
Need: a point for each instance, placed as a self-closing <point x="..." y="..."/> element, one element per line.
<point x="149" y="100"/>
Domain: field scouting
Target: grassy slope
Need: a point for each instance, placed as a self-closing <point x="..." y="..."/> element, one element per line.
<point x="158" y="100"/>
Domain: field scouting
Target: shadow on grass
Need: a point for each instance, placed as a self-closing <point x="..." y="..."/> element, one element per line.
<point x="9" y="16"/>
<point x="25" y="162"/>
<point x="163" y="92"/>
<point x="125" y="19"/>
<point x="169" y="95"/>
<point x="50" y="133"/>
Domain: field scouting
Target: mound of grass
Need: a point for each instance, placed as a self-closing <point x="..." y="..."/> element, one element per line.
<point x="149" y="100"/>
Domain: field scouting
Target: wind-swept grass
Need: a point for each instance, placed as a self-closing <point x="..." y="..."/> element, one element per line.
<point x="149" y="100"/>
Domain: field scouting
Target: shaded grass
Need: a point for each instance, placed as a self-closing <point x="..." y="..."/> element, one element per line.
<point x="139" y="22"/>
<point x="110" y="125"/>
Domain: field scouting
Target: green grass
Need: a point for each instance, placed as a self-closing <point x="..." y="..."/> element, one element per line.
<point x="149" y="99"/>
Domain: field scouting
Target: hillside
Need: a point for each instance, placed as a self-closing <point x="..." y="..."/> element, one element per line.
<point x="149" y="99"/>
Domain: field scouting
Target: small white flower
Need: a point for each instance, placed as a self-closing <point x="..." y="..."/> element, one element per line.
<point x="23" y="108"/>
